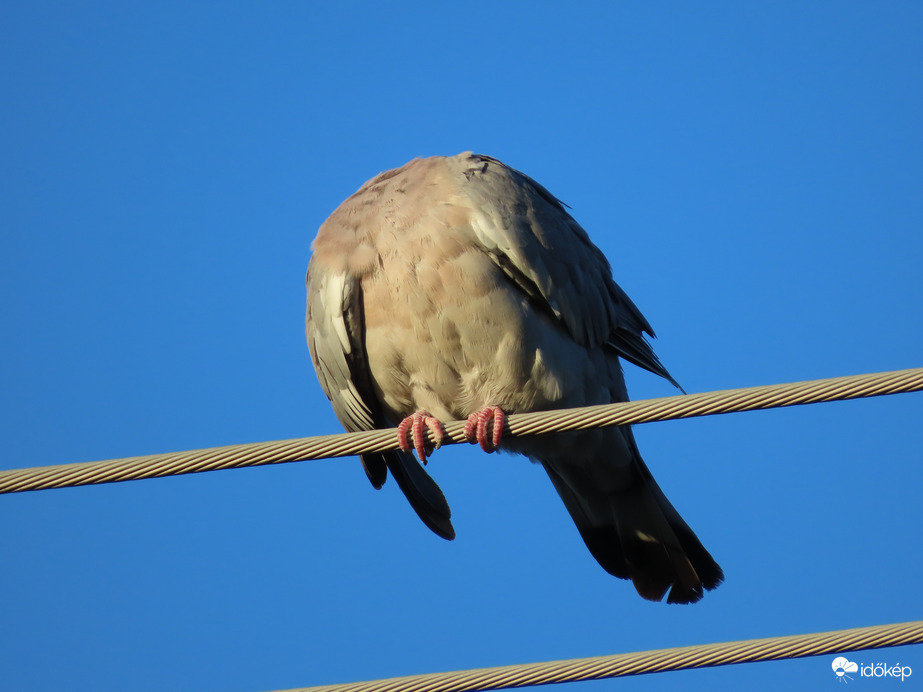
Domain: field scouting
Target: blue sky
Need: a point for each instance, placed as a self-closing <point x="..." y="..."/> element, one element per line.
<point x="752" y="171"/>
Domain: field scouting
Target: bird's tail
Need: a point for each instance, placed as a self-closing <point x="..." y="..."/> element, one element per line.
<point x="421" y="490"/>
<point x="631" y="528"/>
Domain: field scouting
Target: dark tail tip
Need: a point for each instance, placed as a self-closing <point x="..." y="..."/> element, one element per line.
<point x="421" y="491"/>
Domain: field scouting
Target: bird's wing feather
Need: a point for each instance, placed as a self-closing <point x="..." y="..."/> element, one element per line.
<point x="545" y="252"/>
<point x="333" y="329"/>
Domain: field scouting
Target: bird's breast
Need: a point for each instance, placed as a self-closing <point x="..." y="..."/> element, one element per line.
<point x="449" y="333"/>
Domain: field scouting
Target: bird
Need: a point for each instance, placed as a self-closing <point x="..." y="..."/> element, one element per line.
<point x="458" y="288"/>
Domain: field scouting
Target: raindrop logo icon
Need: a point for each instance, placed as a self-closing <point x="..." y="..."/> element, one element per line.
<point x="841" y="667"/>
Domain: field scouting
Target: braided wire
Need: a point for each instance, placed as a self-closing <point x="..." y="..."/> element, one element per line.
<point x="349" y="444"/>
<point x="659" y="660"/>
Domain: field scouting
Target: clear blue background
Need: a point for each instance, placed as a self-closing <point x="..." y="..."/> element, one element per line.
<point x="753" y="172"/>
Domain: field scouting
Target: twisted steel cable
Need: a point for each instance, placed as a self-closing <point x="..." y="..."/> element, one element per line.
<point x="349" y="444"/>
<point x="659" y="660"/>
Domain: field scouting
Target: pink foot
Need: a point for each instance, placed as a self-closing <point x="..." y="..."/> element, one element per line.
<point x="476" y="427"/>
<point x="415" y="424"/>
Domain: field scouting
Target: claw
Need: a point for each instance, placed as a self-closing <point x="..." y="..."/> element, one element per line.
<point x="476" y="427"/>
<point x="415" y="425"/>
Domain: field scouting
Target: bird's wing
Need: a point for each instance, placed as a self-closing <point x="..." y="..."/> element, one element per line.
<point x="544" y="251"/>
<point x="334" y="329"/>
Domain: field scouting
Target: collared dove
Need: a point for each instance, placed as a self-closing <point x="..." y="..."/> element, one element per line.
<point x="459" y="288"/>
